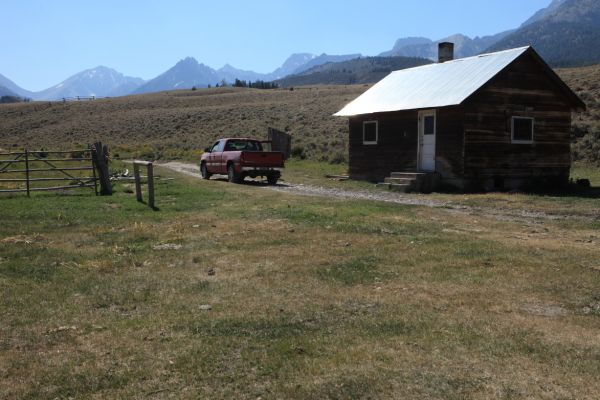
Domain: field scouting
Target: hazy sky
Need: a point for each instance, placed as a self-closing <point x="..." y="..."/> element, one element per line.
<point x="46" y="41"/>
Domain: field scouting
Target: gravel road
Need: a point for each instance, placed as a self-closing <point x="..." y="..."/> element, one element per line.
<point x="395" y="197"/>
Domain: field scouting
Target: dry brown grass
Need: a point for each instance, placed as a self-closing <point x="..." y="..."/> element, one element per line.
<point x="171" y="124"/>
<point x="585" y="81"/>
<point x="311" y="298"/>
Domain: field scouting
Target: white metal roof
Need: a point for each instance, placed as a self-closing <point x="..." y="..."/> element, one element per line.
<point x="432" y="85"/>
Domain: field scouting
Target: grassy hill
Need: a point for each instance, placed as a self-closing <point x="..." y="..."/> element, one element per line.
<point x="586" y="126"/>
<point x="179" y="124"/>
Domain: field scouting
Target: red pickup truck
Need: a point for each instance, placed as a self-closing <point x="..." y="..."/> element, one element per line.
<point x="239" y="158"/>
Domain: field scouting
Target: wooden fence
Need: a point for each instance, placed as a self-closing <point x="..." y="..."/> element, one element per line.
<point x="42" y="170"/>
<point x="280" y="141"/>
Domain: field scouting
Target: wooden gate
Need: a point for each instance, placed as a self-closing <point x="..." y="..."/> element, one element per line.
<point x="280" y="141"/>
<point x="42" y="170"/>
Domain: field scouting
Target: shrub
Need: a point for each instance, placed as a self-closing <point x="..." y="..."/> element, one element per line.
<point x="338" y="157"/>
<point x="298" y="152"/>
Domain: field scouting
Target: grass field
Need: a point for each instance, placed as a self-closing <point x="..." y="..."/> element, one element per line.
<point x="237" y="291"/>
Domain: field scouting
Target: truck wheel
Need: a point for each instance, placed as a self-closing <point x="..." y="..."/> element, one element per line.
<point x="204" y="171"/>
<point x="232" y="176"/>
<point x="272" y="179"/>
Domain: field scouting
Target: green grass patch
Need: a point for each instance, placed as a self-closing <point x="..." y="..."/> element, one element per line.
<point x="361" y="270"/>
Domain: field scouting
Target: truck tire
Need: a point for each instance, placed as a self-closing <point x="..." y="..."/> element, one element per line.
<point x="272" y="179"/>
<point x="204" y="171"/>
<point x="232" y="176"/>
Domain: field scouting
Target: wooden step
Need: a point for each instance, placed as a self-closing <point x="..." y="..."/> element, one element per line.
<point x="413" y="175"/>
<point x="400" y="180"/>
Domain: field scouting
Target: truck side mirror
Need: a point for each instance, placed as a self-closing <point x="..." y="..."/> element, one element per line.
<point x="207" y="150"/>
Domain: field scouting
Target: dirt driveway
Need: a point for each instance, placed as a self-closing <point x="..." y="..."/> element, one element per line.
<point x="394" y="197"/>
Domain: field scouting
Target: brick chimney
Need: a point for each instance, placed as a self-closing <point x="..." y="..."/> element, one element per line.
<point x="445" y="52"/>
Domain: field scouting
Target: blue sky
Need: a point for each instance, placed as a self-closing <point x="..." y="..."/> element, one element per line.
<point x="45" y="42"/>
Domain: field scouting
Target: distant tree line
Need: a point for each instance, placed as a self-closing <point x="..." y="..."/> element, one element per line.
<point x="14" y="99"/>
<point x="256" y="84"/>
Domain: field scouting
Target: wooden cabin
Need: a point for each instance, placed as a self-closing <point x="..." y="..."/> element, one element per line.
<point x="489" y="122"/>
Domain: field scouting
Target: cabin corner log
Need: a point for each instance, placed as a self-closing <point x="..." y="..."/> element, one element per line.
<point x="100" y="157"/>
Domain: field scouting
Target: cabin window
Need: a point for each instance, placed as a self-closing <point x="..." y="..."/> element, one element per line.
<point x="370" y="132"/>
<point x="522" y="130"/>
<point x="429" y="125"/>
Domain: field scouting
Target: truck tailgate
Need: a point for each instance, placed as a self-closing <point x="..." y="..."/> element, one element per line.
<point x="261" y="159"/>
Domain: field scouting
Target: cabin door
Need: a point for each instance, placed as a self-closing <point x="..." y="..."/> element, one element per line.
<point x="426" y="148"/>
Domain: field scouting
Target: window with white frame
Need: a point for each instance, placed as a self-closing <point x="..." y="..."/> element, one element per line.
<point x="370" y="132"/>
<point x="522" y="130"/>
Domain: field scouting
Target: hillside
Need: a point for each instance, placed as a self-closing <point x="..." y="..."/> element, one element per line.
<point x="173" y="124"/>
<point x="567" y="33"/>
<point x="6" y="92"/>
<point x="359" y="70"/>
<point x="179" y="123"/>
<point x="11" y="88"/>
<point x="586" y="126"/>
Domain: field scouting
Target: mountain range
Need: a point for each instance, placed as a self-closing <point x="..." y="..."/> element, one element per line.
<point x="566" y="33"/>
<point x="422" y="47"/>
<point x="358" y="70"/>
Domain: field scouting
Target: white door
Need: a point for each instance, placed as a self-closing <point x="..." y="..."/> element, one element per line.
<point x="426" y="151"/>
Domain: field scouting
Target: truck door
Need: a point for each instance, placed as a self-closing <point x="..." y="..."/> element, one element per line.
<point x="210" y="160"/>
<point x="218" y="159"/>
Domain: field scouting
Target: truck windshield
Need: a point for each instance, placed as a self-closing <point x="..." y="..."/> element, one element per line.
<point x="243" y="145"/>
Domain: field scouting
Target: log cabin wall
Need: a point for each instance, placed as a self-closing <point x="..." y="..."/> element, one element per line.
<point x="396" y="148"/>
<point x="449" y="145"/>
<point x="492" y="161"/>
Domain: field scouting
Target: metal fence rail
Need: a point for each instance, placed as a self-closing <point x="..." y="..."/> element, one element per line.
<point x="23" y="167"/>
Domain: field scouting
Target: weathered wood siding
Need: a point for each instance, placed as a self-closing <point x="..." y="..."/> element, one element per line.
<point x="396" y="148"/>
<point x="491" y="160"/>
<point x="449" y="144"/>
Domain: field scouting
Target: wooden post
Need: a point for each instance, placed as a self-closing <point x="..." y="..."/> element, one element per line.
<point x="100" y="157"/>
<point x="150" y="185"/>
<point x="138" y="183"/>
<point x="27" y="171"/>
<point x="94" y="173"/>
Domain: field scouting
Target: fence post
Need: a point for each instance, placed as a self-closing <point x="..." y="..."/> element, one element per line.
<point x="91" y="150"/>
<point x="150" y="181"/>
<point x="27" y="171"/>
<point x="150" y="170"/>
<point x="138" y="183"/>
<point x="100" y="157"/>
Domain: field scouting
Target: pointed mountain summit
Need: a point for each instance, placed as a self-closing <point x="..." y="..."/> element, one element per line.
<point x="184" y="75"/>
<point x="100" y="82"/>
<point x="230" y="74"/>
